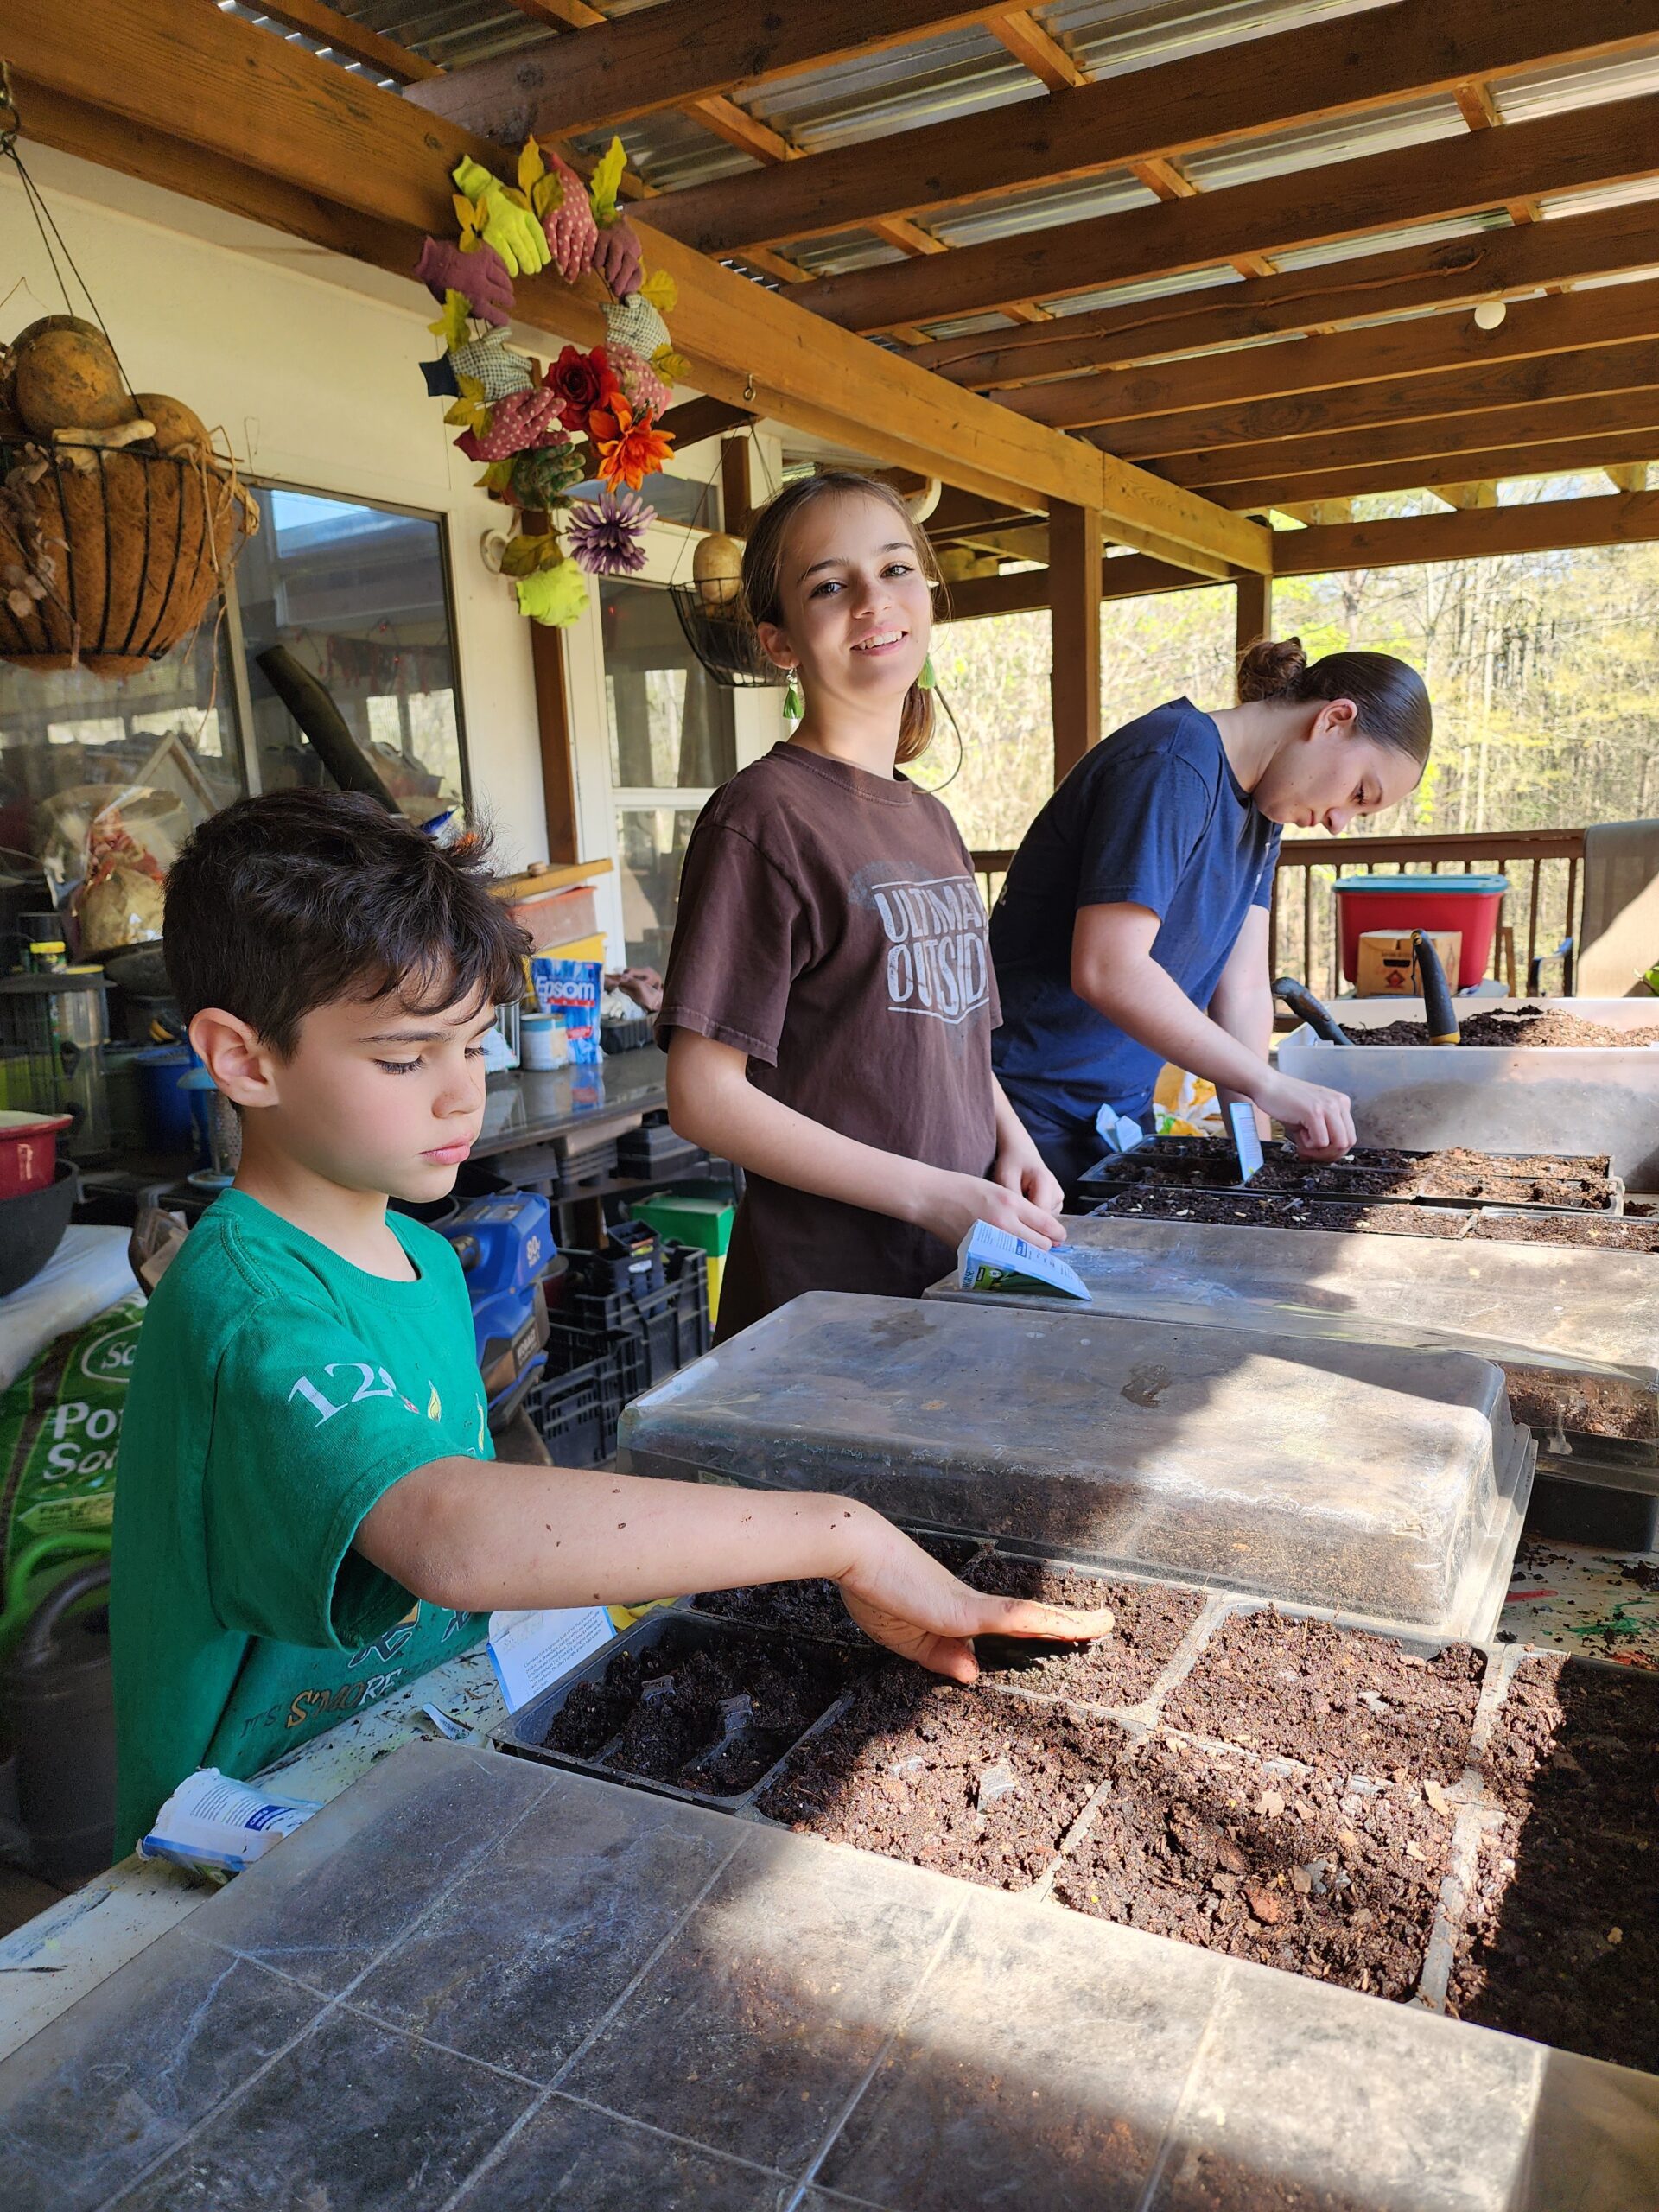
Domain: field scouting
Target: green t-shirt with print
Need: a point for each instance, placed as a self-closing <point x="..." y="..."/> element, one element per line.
<point x="277" y="1391"/>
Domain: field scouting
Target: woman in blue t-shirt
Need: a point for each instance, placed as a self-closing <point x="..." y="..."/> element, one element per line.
<point x="1133" y="928"/>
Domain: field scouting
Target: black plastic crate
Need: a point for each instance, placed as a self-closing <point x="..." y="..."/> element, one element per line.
<point x="670" y="1324"/>
<point x="578" y="1401"/>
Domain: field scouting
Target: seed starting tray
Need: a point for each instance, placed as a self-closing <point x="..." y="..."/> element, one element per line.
<point x="1426" y="1843"/>
<point x="1369" y="1174"/>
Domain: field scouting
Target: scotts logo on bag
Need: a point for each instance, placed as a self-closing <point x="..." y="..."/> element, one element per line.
<point x="60" y="1431"/>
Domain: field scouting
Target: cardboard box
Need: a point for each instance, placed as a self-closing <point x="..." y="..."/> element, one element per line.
<point x="1384" y="965"/>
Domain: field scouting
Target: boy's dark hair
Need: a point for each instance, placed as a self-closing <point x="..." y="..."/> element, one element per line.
<point x="281" y="904"/>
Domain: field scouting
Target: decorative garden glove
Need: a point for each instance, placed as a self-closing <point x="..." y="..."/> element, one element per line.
<point x="512" y="229"/>
<point x="617" y="257"/>
<point x="480" y="277"/>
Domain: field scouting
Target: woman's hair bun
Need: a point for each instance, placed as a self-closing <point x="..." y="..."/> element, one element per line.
<point x="1270" y="669"/>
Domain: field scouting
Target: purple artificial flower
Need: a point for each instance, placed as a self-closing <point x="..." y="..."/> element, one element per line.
<point x="608" y="536"/>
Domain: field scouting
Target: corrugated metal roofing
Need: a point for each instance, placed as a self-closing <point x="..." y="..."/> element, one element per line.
<point x="968" y="72"/>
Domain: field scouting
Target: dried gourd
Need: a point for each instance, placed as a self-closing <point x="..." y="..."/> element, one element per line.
<point x="178" y="429"/>
<point x="67" y="378"/>
<point x="717" y="569"/>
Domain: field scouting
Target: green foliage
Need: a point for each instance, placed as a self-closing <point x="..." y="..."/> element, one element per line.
<point x="1543" y="669"/>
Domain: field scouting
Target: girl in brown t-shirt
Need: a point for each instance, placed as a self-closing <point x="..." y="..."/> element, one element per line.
<point x="829" y="1000"/>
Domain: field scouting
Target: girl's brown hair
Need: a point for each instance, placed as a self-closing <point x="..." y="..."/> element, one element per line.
<point x="1390" y="696"/>
<point x="763" y="572"/>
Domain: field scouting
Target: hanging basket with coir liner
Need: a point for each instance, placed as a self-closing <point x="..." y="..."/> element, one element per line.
<point x="131" y="548"/>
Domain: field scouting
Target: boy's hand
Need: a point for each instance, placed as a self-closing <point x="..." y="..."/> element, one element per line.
<point x="902" y="1598"/>
<point x="949" y="1205"/>
<point x="1020" y="1168"/>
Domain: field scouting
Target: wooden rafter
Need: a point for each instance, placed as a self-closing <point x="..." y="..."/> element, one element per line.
<point x="1464" y="392"/>
<point x="1610" y="414"/>
<point x="1236" y="91"/>
<point x="1622" y="455"/>
<point x="294" y="141"/>
<point x="1476" y="533"/>
<point x="347" y="36"/>
<point x="1452" y="177"/>
<point x="1423" y="345"/>
<point x="663" y="56"/>
<point x="1456" y="272"/>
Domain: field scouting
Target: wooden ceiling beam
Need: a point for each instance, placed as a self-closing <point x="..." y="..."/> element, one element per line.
<point x="1623" y="453"/>
<point x="1456" y="272"/>
<point x="1473" y="534"/>
<point x="664" y="56"/>
<point x="1477" y="533"/>
<point x="263" y="108"/>
<point x="1422" y="346"/>
<point x="693" y="420"/>
<point x="1611" y="414"/>
<point x="346" y="36"/>
<point x="1038" y="50"/>
<point x="1464" y="391"/>
<point x="1235" y="92"/>
<point x="1452" y="177"/>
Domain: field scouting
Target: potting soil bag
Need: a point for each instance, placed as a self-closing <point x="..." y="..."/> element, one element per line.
<point x="60" y="1427"/>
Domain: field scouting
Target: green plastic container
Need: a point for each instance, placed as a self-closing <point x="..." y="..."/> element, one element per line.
<point x="699" y="1214"/>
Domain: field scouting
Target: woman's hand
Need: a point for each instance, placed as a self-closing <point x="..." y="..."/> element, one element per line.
<point x="905" y="1601"/>
<point x="1319" y="1123"/>
<point x="1019" y="1168"/>
<point x="949" y="1205"/>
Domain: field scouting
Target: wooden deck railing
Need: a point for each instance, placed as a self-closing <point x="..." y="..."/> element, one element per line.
<point x="1539" y="910"/>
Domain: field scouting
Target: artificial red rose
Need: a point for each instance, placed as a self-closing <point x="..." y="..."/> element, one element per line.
<point x="580" y="381"/>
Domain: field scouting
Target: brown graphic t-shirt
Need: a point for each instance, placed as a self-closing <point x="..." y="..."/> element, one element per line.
<point x="830" y="927"/>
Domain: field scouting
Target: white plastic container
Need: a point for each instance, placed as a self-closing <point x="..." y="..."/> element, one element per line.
<point x="1384" y="1485"/>
<point x="1521" y="1099"/>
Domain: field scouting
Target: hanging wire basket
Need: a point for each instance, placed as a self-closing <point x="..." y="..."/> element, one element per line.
<point x="724" y="640"/>
<point x="136" y="546"/>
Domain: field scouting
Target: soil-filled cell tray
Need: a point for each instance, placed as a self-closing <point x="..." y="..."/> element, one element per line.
<point x="1302" y="1689"/>
<point x="1321" y="1874"/>
<point x="1526" y="1026"/>
<point x="815" y="1608"/>
<point x="690" y="1705"/>
<point x="1369" y="1171"/>
<point x="977" y="1783"/>
<point x="1386" y="1219"/>
<point x="1580" y="1232"/>
<point x="1561" y="1941"/>
<point x="1149" y="1620"/>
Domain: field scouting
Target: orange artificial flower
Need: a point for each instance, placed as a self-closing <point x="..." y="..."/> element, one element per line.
<point x="629" y="447"/>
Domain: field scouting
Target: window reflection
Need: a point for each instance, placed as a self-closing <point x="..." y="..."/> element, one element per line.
<point x="671" y="726"/>
<point x="650" y="843"/>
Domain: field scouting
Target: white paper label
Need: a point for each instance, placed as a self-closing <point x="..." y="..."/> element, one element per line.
<point x="532" y="1651"/>
<point x="1247" y="1141"/>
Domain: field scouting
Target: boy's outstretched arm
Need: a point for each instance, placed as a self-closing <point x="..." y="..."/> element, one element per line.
<point x="478" y="1536"/>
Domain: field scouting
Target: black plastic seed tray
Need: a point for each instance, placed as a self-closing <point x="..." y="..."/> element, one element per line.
<point x="1371" y="1175"/>
<point x="814" y="1610"/>
<point x="657" y="1644"/>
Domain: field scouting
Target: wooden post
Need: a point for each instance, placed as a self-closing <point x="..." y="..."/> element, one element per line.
<point x="735" y="494"/>
<point x="553" y="731"/>
<point x="1074" y="556"/>
<point x="1253" y="617"/>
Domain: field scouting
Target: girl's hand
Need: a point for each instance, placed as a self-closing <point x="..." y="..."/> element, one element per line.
<point x="909" y="1603"/>
<point x="1019" y="1168"/>
<point x="949" y="1205"/>
<point x="1319" y="1123"/>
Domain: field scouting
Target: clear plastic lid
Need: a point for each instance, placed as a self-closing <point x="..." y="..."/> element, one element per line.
<point x="1380" y="1483"/>
<point x="1585" y="1324"/>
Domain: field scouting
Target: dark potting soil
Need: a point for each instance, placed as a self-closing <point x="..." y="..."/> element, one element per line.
<point x="975" y="1783"/>
<point x="1150" y="1618"/>
<point x="673" y="1719"/>
<point x="1302" y="1689"/>
<point x="1374" y="1171"/>
<point x="1584" y="1230"/>
<point x="1283" y="1213"/>
<point x="1313" y="1873"/>
<point x="1527" y="1025"/>
<point x="1589" y="1405"/>
<point x="1562" y="1939"/>
<point x="815" y="1608"/>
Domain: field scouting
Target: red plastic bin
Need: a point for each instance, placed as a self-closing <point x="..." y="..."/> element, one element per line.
<point x="1468" y="903"/>
<point x="28" y="1151"/>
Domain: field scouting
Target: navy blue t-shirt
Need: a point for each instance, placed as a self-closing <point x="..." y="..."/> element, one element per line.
<point x="1151" y="816"/>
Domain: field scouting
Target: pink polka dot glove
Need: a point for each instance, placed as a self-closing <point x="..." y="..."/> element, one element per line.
<point x="570" y="228"/>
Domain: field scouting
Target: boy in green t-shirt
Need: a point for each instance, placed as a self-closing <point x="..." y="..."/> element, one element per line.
<point x="308" y="1511"/>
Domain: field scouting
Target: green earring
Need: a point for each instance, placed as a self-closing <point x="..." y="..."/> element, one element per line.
<point x="925" y="682"/>
<point x="794" y="707"/>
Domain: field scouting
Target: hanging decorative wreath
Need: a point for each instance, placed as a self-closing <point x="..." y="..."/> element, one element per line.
<point x="541" y="431"/>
